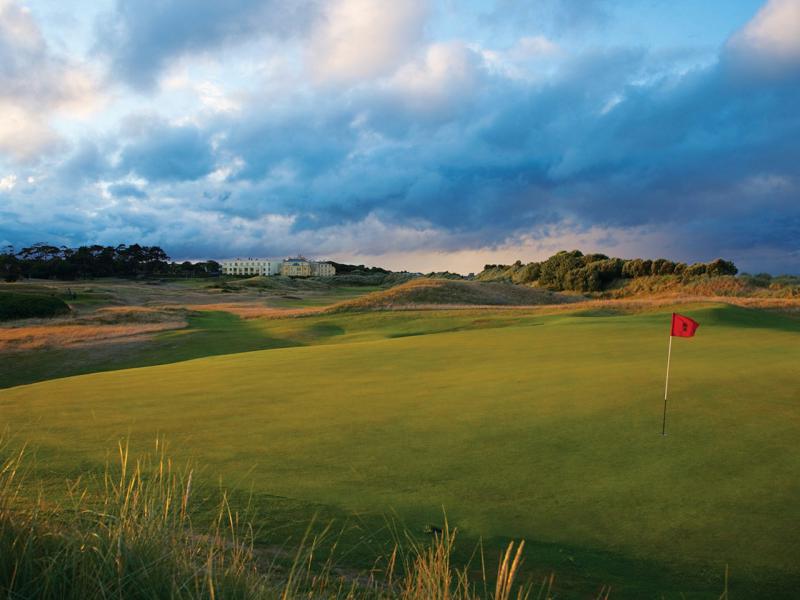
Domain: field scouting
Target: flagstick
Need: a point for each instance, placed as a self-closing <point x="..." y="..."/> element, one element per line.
<point x="666" y="387"/>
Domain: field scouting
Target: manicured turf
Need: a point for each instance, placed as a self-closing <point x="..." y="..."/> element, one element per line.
<point x="545" y="427"/>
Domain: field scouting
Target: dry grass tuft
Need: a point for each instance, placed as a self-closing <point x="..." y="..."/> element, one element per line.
<point x="117" y="323"/>
<point x="706" y="287"/>
<point x="37" y="337"/>
<point x="131" y="534"/>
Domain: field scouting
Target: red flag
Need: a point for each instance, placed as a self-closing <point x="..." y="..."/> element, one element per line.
<point x="683" y="326"/>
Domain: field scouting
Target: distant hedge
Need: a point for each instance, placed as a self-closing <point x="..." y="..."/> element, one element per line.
<point x="29" y="306"/>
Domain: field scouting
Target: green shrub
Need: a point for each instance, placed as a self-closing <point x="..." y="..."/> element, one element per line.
<point x="580" y="272"/>
<point x="29" y="306"/>
<point x="527" y="274"/>
<point x="695" y="270"/>
<point x="554" y="271"/>
<point x="720" y="267"/>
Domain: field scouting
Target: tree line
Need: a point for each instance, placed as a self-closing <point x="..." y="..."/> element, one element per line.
<point x="575" y="271"/>
<point x="45" y="261"/>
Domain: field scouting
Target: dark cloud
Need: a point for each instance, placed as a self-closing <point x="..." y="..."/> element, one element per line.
<point x="309" y="141"/>
<point x="141" y="37"/>
<point x="607" y="144"/>
<point x="87" y="162"/>
<point x="126" y="190"/>
<point x="168" y="153"/>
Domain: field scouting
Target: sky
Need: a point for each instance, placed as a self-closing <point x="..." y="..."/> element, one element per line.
<point x="417" y="134"/>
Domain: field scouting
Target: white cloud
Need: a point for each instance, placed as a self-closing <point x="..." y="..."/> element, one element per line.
<point x="445" y="71"/>
<point x="211" y="95"/>
<point x="362" y="39"/>
<point x="530" y="58"/>
<point x="35" y="86"/>
<point x="8" y="182"/>
<point x="214" y="97"/>
<point x="23" y="133"/>
<point x="222" y="173"/>
<point x="537" y="46"/>
<point x="772" y="37"/>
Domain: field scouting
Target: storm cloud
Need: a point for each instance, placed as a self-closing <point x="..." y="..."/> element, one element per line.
<point x="427" y="146"/>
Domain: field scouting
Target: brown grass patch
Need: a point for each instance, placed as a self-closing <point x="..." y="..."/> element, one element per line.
<point x="35" y="337"/>
<point x="247" y="310"/>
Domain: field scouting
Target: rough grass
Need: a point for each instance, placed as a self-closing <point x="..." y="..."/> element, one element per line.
<point x="64" y="336"/>
<point x="523" y="422"/>
<point x="114" y="315"/>
<point x="278" y="282"/>
<point x="135" y="533"/>
<point x="101" y="326"/>
<point x="253" y="310"/>
<point x="427" y="292"/>
<point x="723" y="286"/>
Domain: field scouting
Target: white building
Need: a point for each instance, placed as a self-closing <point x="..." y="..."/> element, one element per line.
<point x="251" y="266"/>
<point x="291" y="267"/>
<point x="322" y="269"/>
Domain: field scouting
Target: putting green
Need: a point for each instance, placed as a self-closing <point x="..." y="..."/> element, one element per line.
<point x="547" y="428"/>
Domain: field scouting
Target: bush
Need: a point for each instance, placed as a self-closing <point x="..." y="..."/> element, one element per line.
<point x="527" y="274"/>
<point x="30" y="306"/>
<point x="633" y="268"/>
<point x="597" y="272"/>
<point x="554" y="271"/>
<point x="721" y="267"/>
<point x="695" y="270"/>
<point x="662" y="266"/>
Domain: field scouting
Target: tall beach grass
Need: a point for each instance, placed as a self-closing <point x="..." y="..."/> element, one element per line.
<point x="132" y="533"/>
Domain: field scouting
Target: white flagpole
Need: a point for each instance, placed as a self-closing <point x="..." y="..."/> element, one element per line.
<point x="666" y="387"/>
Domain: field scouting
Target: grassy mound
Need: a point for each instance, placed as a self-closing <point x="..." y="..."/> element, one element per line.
<point x="369" y="279"/>
<point x="30" y="306"/>
<point x="425" y="291"/>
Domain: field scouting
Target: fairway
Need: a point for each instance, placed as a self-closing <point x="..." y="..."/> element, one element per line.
<point x="544" y="427"/>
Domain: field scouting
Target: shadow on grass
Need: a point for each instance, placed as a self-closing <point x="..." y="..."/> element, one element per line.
<point x="718" y="315"/>
<point x="750" y="318"/>
<point x="208" y="334"/>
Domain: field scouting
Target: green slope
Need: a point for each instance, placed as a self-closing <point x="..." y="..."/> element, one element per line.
<point x="546" y="428"/>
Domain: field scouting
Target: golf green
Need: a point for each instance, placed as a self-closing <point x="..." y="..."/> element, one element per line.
<point x="545" y="428"/>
